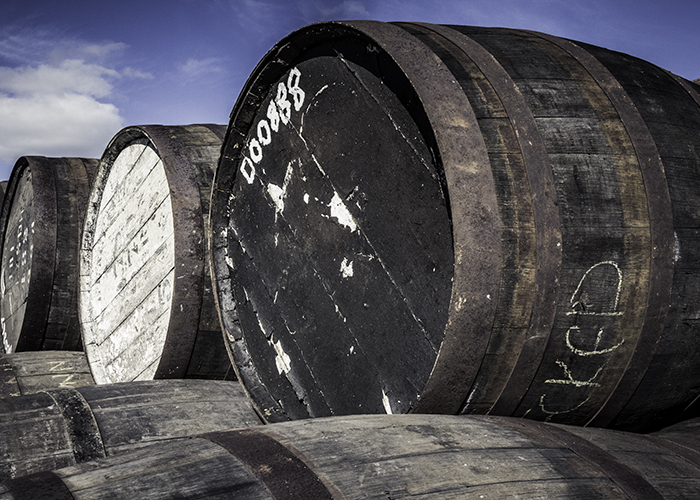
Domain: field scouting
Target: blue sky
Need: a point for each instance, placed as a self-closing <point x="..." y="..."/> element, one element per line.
<point x="73" y="73"/>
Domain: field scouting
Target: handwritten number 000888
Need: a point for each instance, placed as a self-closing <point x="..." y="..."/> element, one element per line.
<point x="279" y="110"/>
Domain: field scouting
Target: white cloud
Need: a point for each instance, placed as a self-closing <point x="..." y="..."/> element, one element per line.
<point x="71" y="125"/>
<point x="60" y="107"/>
<point x="70" y="76"/>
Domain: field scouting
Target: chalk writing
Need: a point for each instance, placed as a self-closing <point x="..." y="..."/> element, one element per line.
<point x="594" y="305"/>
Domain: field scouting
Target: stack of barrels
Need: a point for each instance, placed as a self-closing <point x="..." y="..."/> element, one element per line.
<point x="421" y="260"/>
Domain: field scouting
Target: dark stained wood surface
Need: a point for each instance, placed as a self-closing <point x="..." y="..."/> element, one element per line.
<point x="60" y="427"/>
<point x="40" y="228"/>
<point x="32" y="372"/>
<point x="146" y="303"/>
<point x="581" y="188"/>
<point x="396" y="456"/>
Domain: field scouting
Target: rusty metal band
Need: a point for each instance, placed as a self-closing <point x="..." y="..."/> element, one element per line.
<point x="40" y="486"/>
<point x="627" y="479"/>
<point x="546" y="218"/>
<point x="80" y="422"/>
<point x="661" y="228"/>
<point x="8" y="381"/>
<point x="188" y="225"/>
<point x="282" y="472"/>
<point x="687" y="86"/>
<point x="43" y="258"/>
<point x="474" y="207"/>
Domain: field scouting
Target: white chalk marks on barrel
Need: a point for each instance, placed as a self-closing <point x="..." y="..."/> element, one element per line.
<point x="146" y="305"/>
<point x="132" y="267"/>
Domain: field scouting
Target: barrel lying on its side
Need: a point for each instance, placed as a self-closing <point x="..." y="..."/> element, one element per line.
<point x="40" y="227"/>
<point x="389" y="456"/>
<point x="146" y="306"/>
<point x="61" y="427"/>
<point x="25" y="373"/>
<point x="419" y="218"/>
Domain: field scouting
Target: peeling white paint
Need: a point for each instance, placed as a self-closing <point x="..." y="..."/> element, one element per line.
<point x="278" y="193"/>
<point x="676" y="248"/>
<point x="283" y="361"/>
<point x="340" y="212"/>
<point x="306" y="198"/>
<point x="346" y="268"/>
<point x="387" y="404"/>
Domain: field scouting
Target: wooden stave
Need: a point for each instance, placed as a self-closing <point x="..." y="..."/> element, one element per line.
<point x="32" y="372"/>
<point x="61" y="427"/>
<point x="193" y="340"/>
<point x="373" y="455"/>
<point x="657" y="298"/>
<point x="60" y="190"/>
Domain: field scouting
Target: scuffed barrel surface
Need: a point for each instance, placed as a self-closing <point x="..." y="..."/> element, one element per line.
<point x="40" y="230"/>
<point x="420" y="218"/>
<point x="31" y="372"/>
<point x="61" y="427"/>
<point x="146" y="305"/>
<point x="393" y="456"/>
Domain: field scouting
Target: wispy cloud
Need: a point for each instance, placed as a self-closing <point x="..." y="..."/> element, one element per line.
<point x="196" y="68"/>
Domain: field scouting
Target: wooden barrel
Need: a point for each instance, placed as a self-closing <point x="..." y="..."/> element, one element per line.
<point x="420" y="218"/>
<point x="62" y="427"/>
<point x="40" y="227"/>
<point x="388" y="456"/>
<point x="146" y="305"/>
<point x="25" y="373"/>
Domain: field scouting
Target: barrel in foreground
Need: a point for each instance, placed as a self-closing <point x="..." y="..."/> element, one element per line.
<point x="419" y="218"/>
<point x="387" y="456"/>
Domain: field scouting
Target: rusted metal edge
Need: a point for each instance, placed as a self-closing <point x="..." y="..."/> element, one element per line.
<point x="84" y="433"/>
<point x="546" y="218"/>
<point x="190" y="250"/>
<point x="8" y="380"/>
<point x="285" y="475"/>
<point x="661" y="228"/>
<point x="31" y="335"/>
<point x="627" y="479"/>
<point x="476" y="227"/>
<point x="38" y="486"/>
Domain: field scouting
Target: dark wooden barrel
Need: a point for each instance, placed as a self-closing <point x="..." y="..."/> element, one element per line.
<point x="389" y="456"/>
<point x="40" y="227"/>
<point x="146" y="305"/>
<point x="421" y="218"/>
<point x="23" y="373"/>
<point x="61" y="427"/>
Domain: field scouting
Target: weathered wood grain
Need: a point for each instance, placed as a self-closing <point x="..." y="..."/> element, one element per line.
<point x="40" y="230"/>
<point x="394" y="456"/>
<point x="60" y="427"/>
<point x="548" y="271"/>
<point x="31" y="372"/>
<point x="146" y="304"/>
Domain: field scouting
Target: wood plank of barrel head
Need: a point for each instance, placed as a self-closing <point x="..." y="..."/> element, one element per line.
<point x="132" y="268"/>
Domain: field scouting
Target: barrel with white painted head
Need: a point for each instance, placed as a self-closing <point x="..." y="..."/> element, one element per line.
<point x="40" y="229"/>
<point x="146" y="306"/>
<point x="419" y="218"/>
